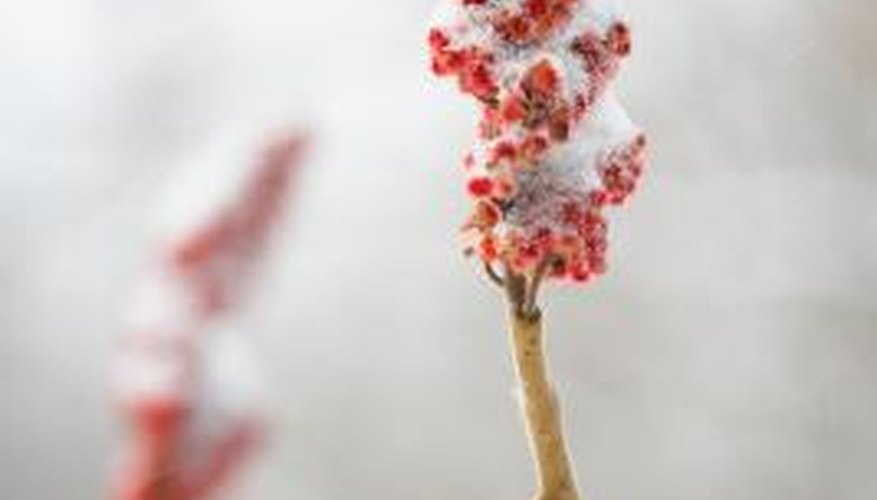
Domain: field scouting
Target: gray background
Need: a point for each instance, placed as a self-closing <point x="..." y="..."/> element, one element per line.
<point x="730" y="354"/>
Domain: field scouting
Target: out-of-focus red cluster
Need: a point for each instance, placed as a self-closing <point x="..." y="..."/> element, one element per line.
<point x="212" y="258"/>
<point x="188" y="431"/>
<point x="539" y="68"/>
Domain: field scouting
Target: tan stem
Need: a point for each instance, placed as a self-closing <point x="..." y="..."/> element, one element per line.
<point x="540" y="408"/>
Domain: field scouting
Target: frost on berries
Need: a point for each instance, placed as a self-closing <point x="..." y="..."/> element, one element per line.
<point x="554" y="146"/>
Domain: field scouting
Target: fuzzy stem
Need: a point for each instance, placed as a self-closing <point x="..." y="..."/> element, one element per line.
<point x="539" y="402"/>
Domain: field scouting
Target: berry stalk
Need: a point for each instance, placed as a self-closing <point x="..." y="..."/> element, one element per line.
<point x="539" y="402"/>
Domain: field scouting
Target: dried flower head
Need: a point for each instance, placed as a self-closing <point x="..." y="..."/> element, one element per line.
<point x="554" y="146"/>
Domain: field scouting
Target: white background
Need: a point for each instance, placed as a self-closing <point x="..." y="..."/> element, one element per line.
<point x="730" y="354"/>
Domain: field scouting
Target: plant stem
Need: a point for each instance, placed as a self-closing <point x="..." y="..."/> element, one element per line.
<point x="539" y="402"/>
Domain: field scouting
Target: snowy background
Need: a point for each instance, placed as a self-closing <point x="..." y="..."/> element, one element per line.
<point x="730" y="354"/>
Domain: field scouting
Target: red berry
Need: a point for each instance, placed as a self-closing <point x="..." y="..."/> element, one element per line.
<point x="619" y="39"/>
<point x="488" y="248"/>
<point x="536" y="8"/>
<point x="480" y="187"/>
<point x="542" y="79"/>
<point x="513" y="109"/>
<point x="437" y="39"/>
<point x="533" y="147"/>
<point x="514" y="28"/>
<point x="504" y="151"/>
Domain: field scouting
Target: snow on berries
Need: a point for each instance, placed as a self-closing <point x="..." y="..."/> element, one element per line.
<point x="554" y="147"/>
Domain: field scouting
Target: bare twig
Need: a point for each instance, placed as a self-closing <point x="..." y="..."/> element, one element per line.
<point x="539" y="404"/>
<point x="532" y="295"/>
<point x="494" y="275"/>
<point x="516" y="290"/>
<point x="541" y="411"/>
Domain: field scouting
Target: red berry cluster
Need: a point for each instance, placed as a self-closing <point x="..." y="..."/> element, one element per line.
<point x="539" y="69"/>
